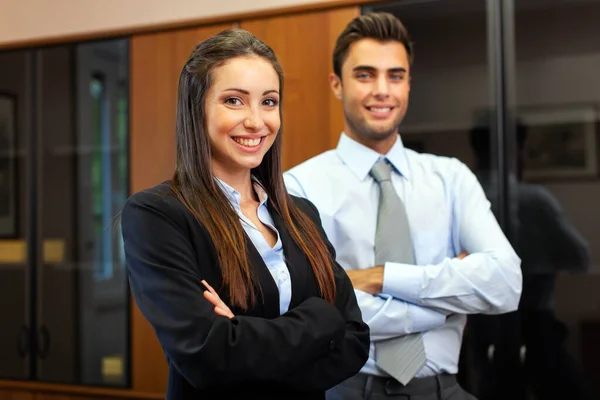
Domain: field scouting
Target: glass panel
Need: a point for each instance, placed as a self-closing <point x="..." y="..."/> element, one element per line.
<point x="57" y="278"/>
<point x="451" y="106"/>
<point x="83" y="298"/>
<point x="556" y="184"/>
<point x="450" y="99"/>
<point x="15" y="105"/>
<point x="103" y="182"/>
<point x="452" y="111"/>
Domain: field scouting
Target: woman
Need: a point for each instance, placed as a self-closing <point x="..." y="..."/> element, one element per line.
<point x="283" y="322"/>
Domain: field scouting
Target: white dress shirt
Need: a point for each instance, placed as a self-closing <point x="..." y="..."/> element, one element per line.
<point x="448" y="213"/>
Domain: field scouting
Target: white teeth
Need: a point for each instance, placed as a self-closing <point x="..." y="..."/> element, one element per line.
<point x="377" y="109"/>
<point x="247" y="142"/>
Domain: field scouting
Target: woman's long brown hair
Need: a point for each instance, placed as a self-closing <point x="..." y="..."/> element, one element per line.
<point x="194" y="184"/>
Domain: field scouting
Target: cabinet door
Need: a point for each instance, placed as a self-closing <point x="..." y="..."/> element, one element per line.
<point x="82" y="178"/>
<point x="312" y="116"/>
<point x="15" y="103"/>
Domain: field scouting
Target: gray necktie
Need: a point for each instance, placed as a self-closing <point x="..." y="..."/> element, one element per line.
<point x="404" y="356"/>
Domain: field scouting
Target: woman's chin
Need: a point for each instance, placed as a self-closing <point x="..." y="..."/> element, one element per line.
<point x="249" y="163"/>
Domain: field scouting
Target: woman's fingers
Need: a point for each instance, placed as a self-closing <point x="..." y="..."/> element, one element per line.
<point x="220" y="307"/>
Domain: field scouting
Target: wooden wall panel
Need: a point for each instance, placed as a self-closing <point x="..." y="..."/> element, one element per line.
<point x="312" y="116"/>
<point x="15" y="395"/>
<point x="156" y="61"/>
<point x="44" y="396"/>
<point x="33" y="390"/>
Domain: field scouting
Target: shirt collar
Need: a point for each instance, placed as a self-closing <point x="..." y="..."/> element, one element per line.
<point x="360" y="158"/>
<point x="234" y="196"/>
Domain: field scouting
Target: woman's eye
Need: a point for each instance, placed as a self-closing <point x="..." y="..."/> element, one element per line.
<point x="233" y="101"/>
<point x="270" y="102"/>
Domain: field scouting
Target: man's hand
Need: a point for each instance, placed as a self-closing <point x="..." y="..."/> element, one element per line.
<point x="368" y="280"/>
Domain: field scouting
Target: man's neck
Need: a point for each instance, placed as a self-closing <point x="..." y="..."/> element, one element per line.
<point x="381" y="146"/>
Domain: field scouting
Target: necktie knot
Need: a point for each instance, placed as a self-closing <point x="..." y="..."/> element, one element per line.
<point x="381" y="171"/>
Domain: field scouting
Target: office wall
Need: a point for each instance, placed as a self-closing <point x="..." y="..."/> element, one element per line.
<point x="30" y="20"/>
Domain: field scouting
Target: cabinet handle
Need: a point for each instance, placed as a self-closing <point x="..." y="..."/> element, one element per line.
<point x="44" y="342"/>
<point x="23" y="341"/>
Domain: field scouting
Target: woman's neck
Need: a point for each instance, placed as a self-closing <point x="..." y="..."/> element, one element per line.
<point x="241" y="182"/>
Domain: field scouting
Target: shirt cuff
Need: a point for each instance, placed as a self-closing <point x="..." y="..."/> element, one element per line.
<point x="403" y="281"/>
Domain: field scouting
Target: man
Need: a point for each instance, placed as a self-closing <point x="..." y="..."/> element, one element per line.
<point x="414" y="231"/>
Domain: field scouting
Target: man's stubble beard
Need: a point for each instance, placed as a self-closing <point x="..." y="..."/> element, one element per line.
<point x="361" y="128"/>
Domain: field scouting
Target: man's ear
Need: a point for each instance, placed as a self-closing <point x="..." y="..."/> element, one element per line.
<point x="336" y="85"/>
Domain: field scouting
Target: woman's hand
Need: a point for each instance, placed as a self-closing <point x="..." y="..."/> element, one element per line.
<point x="220" y="307"/>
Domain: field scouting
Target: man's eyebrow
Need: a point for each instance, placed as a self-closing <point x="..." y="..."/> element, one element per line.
<point x="371" y="68"/>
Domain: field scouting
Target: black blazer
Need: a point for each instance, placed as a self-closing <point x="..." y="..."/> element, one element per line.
<point x="259" y="353"/>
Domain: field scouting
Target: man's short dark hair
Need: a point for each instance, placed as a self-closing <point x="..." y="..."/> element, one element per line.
<point x="383" y="27"/>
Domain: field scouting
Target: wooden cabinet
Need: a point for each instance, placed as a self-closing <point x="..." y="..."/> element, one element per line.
<point x="312" y="116"/>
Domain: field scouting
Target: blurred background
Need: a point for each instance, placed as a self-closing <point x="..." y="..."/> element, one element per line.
<point x="87" y="117"/>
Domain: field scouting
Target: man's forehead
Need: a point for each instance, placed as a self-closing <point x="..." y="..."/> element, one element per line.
<point x="378" y="55"/>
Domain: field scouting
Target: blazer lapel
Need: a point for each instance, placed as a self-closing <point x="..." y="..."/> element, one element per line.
<point x="296" y="261"/>
<point x="270" y="293"/>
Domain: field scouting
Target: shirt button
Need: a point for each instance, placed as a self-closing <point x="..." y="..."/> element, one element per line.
<point x="283" y="275"/>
